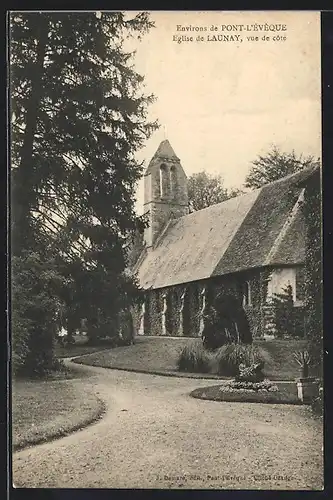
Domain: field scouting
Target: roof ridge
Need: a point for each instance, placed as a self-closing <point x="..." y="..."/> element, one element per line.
<point x="248" y="193"/>
<point x="310" y="168"/>
<point x="294" y="174"/>
<point x="282" y="234"/>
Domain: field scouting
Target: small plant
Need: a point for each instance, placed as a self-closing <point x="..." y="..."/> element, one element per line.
<point x="252" y="373"/>
<point x="230" y="357"/>
<point x="194" y="358"/>
<point x="303" y="358"/>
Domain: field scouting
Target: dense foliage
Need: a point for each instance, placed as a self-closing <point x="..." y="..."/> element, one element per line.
<point x="313" y="269"/>
<point x="224" y="361"/>
<point x="205" y="190"/>
<point x="35" y="313"/>
<point x="78" y="118"/>
<point x="318" y="403"/>
<point x="194" y="358"/>
<point x="225" y="322"/>
<point x="284" y="316"/>
<point x="274" y="165"/>
<point x="230" y="356"/>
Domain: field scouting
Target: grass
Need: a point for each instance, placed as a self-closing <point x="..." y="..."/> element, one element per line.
<point x="48" y="409"/>
<point x="160" y="354"/>
<point x="287" y="394"/>
<point x="80" y="348"/>
<point x="282" y="365"/>
<point x="147" y="353"/>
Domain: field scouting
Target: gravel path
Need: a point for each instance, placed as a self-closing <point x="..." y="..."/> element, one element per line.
<point x="154" y="435"/>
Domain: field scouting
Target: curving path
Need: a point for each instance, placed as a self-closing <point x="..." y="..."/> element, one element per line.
<point x="154" y="435"/>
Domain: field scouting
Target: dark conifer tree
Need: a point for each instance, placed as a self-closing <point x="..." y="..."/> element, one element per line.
<point x="78" y="115"/>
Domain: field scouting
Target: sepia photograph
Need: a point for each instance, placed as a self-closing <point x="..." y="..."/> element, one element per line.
<point x="166" y="250"/>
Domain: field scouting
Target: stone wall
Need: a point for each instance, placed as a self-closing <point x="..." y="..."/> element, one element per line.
<point x="182" y="305"/>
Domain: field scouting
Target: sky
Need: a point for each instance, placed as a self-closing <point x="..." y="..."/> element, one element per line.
<point x="221" y="103"/>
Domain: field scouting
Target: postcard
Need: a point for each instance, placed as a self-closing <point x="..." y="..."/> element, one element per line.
<point x="166" y="250"/>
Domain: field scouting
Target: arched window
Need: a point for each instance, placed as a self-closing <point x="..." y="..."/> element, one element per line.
<point x="173" y="181"/>
<point x="164" y="181"/>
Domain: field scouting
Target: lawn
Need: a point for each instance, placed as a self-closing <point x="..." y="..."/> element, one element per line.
<point x="160" y="354"/>
<point x="79" y="348"/>
<point x="43" y="410"/>
<point x="283" y="365"/>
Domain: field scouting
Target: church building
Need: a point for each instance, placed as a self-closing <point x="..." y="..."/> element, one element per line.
<point x="247" y="249"/>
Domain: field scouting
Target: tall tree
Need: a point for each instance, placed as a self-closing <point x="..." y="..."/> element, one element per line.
<point x="78" y="117"/>
<point x="205" y="190"/>
<point x="276" y="164"/>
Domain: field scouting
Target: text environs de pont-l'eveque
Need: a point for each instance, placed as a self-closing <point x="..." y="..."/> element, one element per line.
<point x="226" y="36"/>
<point x="262" y="27"/>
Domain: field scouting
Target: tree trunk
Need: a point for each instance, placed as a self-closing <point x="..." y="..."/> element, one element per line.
<point x="23" y="183"/>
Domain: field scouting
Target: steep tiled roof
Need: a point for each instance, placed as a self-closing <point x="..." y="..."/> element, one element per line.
<point x="292" y="246"/>
<point x="260" y="228"/>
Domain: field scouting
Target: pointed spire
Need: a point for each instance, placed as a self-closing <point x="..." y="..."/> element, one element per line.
<point x="165" y="150"/>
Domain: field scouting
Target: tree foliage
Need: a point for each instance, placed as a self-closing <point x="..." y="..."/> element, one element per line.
<point x="78" y="117"/>
<point x="205" y="190"/>
<point x="35" y="312"/>
<point x="225" y="322"/>
<point x="274" y="165"/>
<point x="313" y="268"/>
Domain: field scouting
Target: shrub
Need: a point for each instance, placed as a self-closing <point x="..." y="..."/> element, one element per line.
<point x="101" y="327"/>
<point x="125" y="328"/>
<point x="35" y="306"/>
<point x="313" y="269"/>
<point x="230" y="356"/>
<point x="194" y="358"/>
<point x="220" y="327"/>
<point x="317" y="403"/>
<point x="283" y="307"/>
<point x="20" y="336"/>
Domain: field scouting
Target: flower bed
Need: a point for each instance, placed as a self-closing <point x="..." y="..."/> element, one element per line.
<point x="238" y="386"/>
<point x="282" y="393"/>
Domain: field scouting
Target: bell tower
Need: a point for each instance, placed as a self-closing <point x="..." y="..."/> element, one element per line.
<point x="165" y="191"/>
